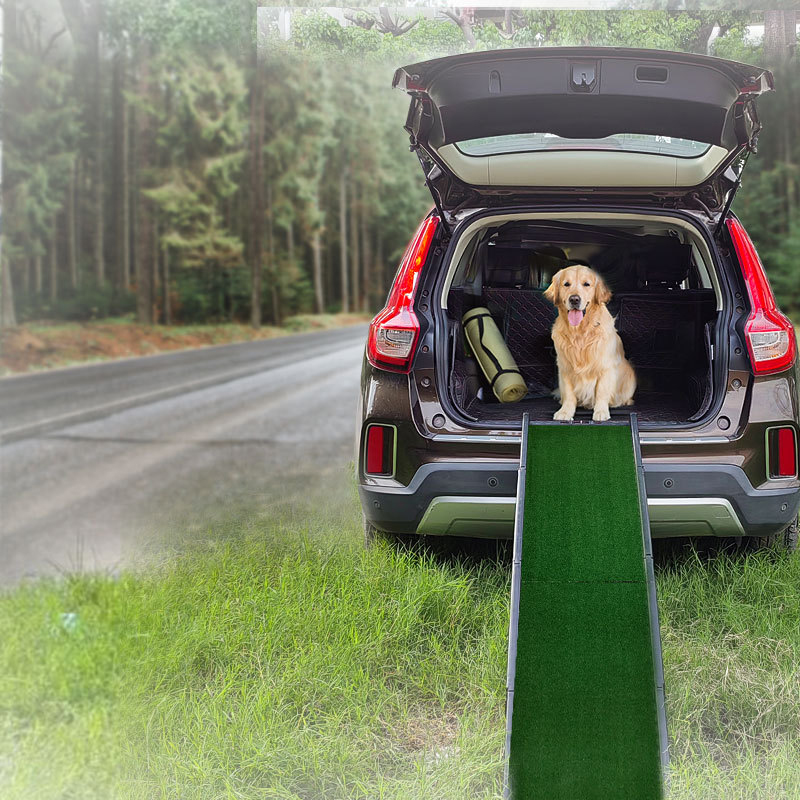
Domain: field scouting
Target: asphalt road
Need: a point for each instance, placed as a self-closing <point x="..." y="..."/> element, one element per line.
<point x="97" y="462"/>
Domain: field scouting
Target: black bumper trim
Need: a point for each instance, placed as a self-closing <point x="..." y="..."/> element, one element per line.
<point x="762" y="512"/>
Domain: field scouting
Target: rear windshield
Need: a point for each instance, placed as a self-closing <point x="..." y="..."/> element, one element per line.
<point x="626" y="142"/>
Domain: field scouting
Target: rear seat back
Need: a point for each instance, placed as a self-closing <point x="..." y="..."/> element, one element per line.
<point x="663" y="330"/>
<point x="660" y="323"/>
<point x="650" y="263"/>
<point x="525" y="318"/>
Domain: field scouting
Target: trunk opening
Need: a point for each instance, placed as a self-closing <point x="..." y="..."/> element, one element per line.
<point x="666" y="301"/>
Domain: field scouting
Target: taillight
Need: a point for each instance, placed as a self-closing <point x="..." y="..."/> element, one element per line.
<point x="781" y="453"/>
<point x="379" y="450"/>
<point x="770" y="335"/>
<point x="394" y="332"/>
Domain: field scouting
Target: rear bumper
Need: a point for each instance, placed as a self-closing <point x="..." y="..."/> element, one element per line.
<point x="468" y="499"/>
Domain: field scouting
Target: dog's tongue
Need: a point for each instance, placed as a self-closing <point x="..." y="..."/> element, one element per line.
<point x="574" y="316"/>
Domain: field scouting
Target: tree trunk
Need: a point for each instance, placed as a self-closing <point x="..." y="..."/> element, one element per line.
<point x="54" y="262"/>
<point x="290" y="242"/>
<point x="79" y="238"/>
<point x="275" y="285"/>
<point x="155" y="260"/>
<point x="790" y="32"/>
<point x="508" y="22"/>
<point x="316" y="246"/>
<point x="788" y="170"/>
<point x="97" y="147"/>
<point x="355" y="250"/>
<point x="256" y="185"/>
<point x="343" y="241"/>
<point x="122" y="245"/>
<point x="366" y="266"/>
<point x="133" y="190"/>
<point x="8" y="316"/>
<point x="37" y="274"/>
<point x="775" y="45"/>
<point x="379" y="269"/>
<point x="167" y="303"/>
<point x="144" y="233"/>
<point x="72" y="245"/>
<point x="463" y="18"/>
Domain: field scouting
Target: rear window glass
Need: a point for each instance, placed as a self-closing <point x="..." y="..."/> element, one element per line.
<point x="626" y="142"/>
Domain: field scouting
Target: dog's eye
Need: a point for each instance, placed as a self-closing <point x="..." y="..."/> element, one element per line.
<point x="586" y="283"/>
<point x="566" y="283"/>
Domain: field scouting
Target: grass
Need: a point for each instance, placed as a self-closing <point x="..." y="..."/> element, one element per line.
<point x="278" y="659"/>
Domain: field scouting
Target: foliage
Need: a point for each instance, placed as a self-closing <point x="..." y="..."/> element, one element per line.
<point x="39" y="142"/>
<point x="202" y="127"/>
<point x="181" y="77"/>
<point x="86" y="302"/>
<point x="769" y="198"/>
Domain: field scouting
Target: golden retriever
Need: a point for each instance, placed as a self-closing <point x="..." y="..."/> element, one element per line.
<point x="592" y="369"/>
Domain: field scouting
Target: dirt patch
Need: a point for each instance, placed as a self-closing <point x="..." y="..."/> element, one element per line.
<point x="434" y="734"/>
<point x="46" y="345"/>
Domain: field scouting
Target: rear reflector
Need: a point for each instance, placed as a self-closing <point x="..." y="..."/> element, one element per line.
<point x="379" y="458"/>
<point x="394" y="331"/>
<point x="770" y="335"/>
<point x="781" y="453"/>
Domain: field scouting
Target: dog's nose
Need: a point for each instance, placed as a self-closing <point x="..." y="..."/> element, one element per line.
<point x="574" y="300"/>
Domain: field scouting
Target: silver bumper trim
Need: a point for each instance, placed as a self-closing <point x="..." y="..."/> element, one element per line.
<point x="494" y="516"/>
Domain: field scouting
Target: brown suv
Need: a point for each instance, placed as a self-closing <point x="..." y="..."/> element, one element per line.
<point x="627" y="160"/>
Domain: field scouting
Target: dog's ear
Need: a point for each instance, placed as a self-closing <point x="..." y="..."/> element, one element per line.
<point x="602" y="293"/>
<point x="552" y="290"/>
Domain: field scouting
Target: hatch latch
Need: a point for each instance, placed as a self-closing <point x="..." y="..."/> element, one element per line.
<point x="583" y="76"/>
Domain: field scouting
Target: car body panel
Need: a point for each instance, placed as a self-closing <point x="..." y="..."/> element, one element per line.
<point x="453" y="475"/>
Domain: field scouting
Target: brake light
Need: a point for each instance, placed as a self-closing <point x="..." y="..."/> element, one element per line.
<point x="770" y="335"/>
<point x="782" y="453"/>
<point x="394" y="332"/>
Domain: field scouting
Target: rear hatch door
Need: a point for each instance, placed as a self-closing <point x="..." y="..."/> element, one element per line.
<point x="497" y="127"/>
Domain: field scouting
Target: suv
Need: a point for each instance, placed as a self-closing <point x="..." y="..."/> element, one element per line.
<point x="624" y="159"/>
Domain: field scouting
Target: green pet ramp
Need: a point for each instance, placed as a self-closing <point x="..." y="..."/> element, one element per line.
<point x="585" y="713"/>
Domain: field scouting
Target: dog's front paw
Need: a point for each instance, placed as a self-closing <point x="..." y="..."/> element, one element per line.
<point x="601" y="415"/>
<point x="563" y="415"/>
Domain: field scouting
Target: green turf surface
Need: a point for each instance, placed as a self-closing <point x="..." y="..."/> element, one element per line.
<point x="585" y="720"/>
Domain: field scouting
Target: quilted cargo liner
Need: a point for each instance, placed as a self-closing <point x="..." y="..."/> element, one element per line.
<point x="666" y="335"/>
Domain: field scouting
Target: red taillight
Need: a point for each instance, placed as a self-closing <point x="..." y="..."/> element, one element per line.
<point x="394" y="331"/>
<point x="781" y="453"/>
<point x="379" y="457"/>
<point x="770" y="335"/>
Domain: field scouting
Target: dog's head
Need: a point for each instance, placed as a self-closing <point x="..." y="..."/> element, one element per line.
<point x="573" y="289"/>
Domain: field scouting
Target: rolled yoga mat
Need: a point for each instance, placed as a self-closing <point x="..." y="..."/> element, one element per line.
<point x="495" y="360"/>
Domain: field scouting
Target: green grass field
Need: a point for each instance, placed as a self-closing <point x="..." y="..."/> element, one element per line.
<point x="277" y="659"/>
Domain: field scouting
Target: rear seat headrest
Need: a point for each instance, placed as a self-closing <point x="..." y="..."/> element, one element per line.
<point x="648" y="262"/>
<point x="522" y="267"/>
<point x="507" y="266"/>
<point x="664" y="265"/>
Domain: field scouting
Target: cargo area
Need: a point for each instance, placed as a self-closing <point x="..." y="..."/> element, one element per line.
<point x="665" y="300"/>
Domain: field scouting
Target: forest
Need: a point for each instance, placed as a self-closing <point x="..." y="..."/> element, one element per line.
<point x="196" y="160"/>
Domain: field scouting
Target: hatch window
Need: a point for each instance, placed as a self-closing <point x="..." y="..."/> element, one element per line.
<point x="624" y="142"/>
